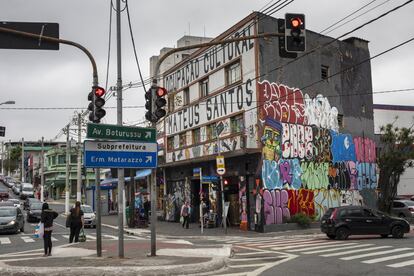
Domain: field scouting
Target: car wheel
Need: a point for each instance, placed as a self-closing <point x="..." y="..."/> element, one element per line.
<point x="342" y="233"/>
<point x="22" y="229"/>
<point x="384" y="236"/>
<point x="332" y="237"/>
<point x="401" y="215"/>
<point x="397" y="232"/>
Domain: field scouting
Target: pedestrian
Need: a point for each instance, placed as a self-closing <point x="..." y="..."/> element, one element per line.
<point x="185" y="213"/>
<point x="76" y="222"/>
<point x="47" y="217"/>
<point x="147" y="208"/>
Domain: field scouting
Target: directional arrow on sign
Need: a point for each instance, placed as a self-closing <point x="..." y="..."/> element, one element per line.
<point x="149" y="159"/>
<point x="148" y="134"/>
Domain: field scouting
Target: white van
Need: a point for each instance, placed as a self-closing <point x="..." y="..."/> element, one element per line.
<point x="26" y="190"/>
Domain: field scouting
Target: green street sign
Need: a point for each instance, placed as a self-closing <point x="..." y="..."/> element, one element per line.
<point x="121" y="133"/>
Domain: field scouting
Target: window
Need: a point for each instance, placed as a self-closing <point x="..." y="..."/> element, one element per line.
<point x="354" y="213"/>
<point x="233" y="73"/>
<point x="196" y="136"/>
<point x="186" y="96"/>
<point x="183" y="140"/>
<point x="203" y="88"/>
<point x="211" y="131"/>
<point x="184" y="56"/>
<point x="341" y="120"/>
<point x="170" y="143"/>
<point x="236" y="123"/>
<point x="397" y="204"/>
<point x="73" y="159"/>
<point x="61" y="159"/>
<point x="324" y="72"/>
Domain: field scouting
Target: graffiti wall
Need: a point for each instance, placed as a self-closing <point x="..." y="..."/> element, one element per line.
<point x="178" y="193"/>
<point x="307" y="165"/>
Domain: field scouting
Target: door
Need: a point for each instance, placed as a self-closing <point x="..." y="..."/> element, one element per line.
<point x="355" y="221"/>
<point x="373" y="224"/>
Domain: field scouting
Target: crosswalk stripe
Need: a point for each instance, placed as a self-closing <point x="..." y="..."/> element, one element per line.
<point x="65" y="236"/>
<point x="276" y="242"/>
<point x="54" y="239"/>
<point x="289" y="243"/>
<point x="135" y="237"/>
<point x="328" y="245"/>
<point x="27" y="239"/>
<point x="383" y="259"/>
<point x="336" y="249"/>
<point x="111" y="236"/>
<point x="5" y="241"/>
<point x="90" y="237"/>
<point x="406" y="263"/>
<point x="303" y="244"/>
<point x="355" y="251"/>
<point x="375" y="254"/>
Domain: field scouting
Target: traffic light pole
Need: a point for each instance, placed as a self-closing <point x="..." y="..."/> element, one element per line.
<point x="153" y="190"/>
<point x="121" y="176"/>
<point x="79" y="161"/>
<point x="42" y="175"/>
<point x="67" y="184"/>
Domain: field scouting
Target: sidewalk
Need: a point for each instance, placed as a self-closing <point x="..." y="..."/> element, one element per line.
<point x="172" y="259"/>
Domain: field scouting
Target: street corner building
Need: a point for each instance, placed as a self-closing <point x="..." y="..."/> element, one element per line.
<point x="297" y="133"/>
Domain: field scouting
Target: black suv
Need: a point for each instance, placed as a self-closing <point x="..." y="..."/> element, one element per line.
<point x="342" y="222"/>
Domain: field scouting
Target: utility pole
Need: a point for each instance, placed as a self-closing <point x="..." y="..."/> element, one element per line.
<point x="2" y="157"/>
<point x="121" y="176"/>
<point x="223" y="212"/>
<point x="79" y="172"/>
<point x="42" y="174"/>
<point x="67" y="185"/>
<point x="8" y="158"/>
<point x="23" y="170"/>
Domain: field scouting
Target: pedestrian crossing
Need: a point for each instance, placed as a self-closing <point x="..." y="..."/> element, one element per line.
<point x="364" y="251"/>
<point x="11" y="240"/>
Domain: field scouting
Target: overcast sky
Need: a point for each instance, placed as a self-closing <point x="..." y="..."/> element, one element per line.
<point x="59" y="79"/>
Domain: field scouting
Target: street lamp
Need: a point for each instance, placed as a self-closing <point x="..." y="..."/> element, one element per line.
<point x="8" y="102"/>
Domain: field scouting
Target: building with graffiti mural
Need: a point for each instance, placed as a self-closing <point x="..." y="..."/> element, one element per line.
<point x="296" y="133"/>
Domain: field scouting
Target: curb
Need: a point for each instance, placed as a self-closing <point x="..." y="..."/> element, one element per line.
<point x="212" y="265"/>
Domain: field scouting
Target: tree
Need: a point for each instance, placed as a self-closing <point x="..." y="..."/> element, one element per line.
<point x="395" y="155"/>
<point x="14" y="158"/>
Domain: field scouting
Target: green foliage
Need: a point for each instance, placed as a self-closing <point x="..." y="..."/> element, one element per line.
<point x="301" y="219"/>
<point x="395" y="155"/>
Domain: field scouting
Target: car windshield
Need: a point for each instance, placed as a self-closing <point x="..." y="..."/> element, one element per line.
<point x="36" y="206"/>
<point x="27" y="189"/>
<point x="87" y="209"/>
<point x="7" y="212"/>
<point x="2" y="190"/>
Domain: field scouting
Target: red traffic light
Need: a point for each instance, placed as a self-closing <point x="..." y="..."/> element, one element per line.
<point x="99" y="91"/>
<point x="226" y="182"/>
<point x="161" y="91"/>
<point x="296" y="22"/>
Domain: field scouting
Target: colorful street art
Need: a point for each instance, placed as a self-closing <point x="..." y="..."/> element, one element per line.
<point x="307" y="165"/>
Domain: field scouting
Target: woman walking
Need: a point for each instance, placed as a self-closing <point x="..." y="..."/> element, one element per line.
<point x="185" y="213"/>
<point x="76" y="222"/>
<point x="47" y="217"/>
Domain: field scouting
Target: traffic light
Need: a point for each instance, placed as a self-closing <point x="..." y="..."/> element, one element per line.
<point x="295" y="33"/>
<point x="160" y="102"/>
<point x="155" y="103"/>
<point x="148" y="105"/>
<point x="96" y="105"/>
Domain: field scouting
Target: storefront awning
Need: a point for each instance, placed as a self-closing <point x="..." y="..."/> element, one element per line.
<point x="141" y="174"/>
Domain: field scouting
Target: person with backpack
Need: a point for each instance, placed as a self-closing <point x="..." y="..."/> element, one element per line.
<point x="75" y="222"/>
<point x="185" y="213"/>
<point x="47" y="216"/>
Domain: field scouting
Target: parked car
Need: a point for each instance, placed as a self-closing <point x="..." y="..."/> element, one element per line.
<point x="11" y="219"/>
<point x="34" y="211"/>
<point x="341" y="222"/>
<point x="29" y="201"/>
<point x="4" y="193"/>
<point x="26" y="190"/>
<point x="403" y="208"/>
<point x="16" y="202"/>
<point x="88" y="216"/>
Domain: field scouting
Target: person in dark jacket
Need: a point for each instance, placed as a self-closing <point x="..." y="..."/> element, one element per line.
<point x="47" y="218"/>
<point x="76" y="222"/>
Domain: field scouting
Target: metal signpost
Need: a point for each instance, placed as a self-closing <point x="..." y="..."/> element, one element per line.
<point x="221" y="169"/>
